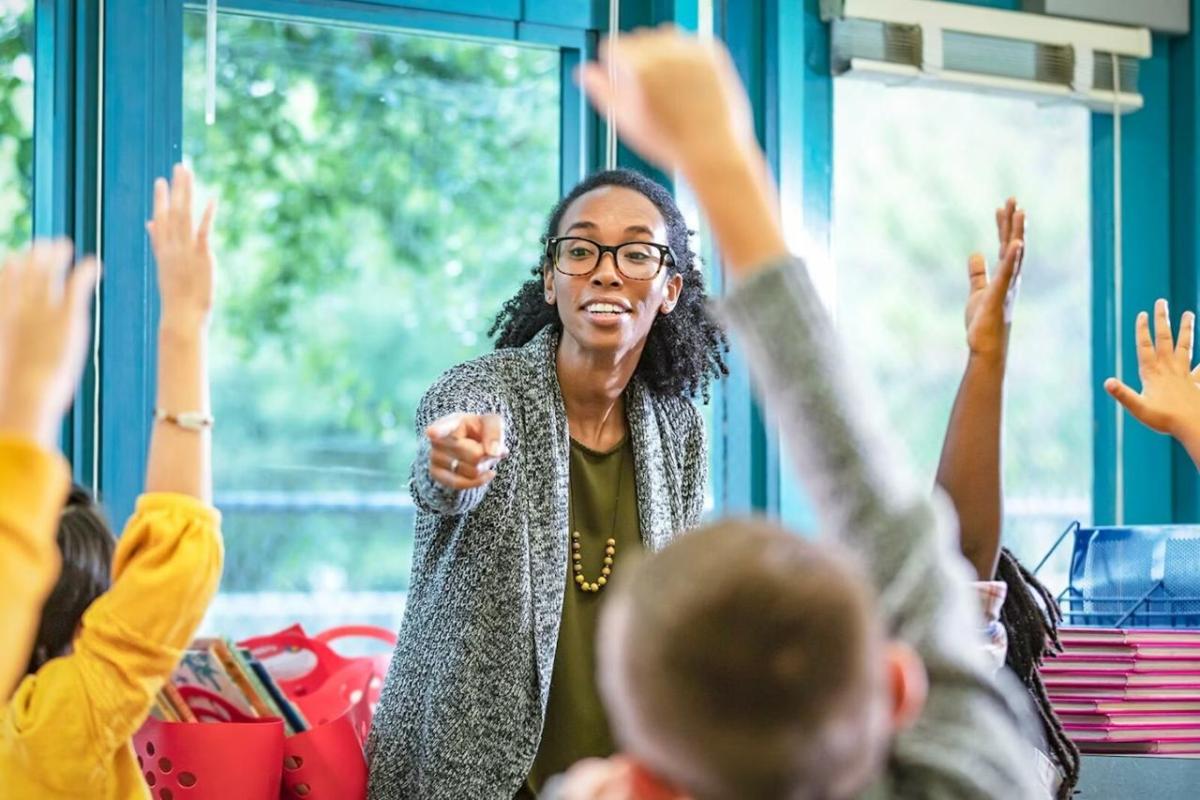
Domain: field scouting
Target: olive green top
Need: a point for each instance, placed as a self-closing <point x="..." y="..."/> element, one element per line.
<point x="602" y="505"/>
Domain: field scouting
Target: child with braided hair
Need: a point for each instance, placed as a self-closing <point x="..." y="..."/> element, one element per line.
<point x="1020" y="615"/>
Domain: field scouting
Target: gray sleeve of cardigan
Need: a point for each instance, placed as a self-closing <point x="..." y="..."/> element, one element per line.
<point x="968" y="741"/>
<point x="467" y="388"/>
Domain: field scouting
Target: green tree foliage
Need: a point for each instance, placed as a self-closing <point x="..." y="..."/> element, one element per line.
<point x="381" y="195"/>
<point x="16" y="124"/>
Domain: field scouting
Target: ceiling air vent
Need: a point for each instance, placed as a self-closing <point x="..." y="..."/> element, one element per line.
<point x="982" y="49"/>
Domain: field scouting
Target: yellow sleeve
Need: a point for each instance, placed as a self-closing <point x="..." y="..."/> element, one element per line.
<point x="33" y="488"/>
<point x="87" y="705"/>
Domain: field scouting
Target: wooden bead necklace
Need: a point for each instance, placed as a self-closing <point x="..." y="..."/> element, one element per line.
<point x="610" y="546"/>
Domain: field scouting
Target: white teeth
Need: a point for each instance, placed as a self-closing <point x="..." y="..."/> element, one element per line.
<point x="605" y="308"/>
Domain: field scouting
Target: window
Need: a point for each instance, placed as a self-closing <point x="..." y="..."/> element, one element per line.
<point x="16" y="123"/>
<point x="382" y="194"/>
<point x="917" y="175"/>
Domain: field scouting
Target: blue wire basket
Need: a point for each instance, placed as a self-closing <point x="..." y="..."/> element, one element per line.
<point x="1145" y="576"/>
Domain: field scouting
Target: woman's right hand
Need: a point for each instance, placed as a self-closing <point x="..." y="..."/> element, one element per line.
<point x="464" y="449"/>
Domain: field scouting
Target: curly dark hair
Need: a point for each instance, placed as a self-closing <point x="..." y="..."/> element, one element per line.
<point x="685" y="349"/>
<point x="1031" y="616"/>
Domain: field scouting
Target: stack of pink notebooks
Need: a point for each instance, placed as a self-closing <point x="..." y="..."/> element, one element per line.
<point x="1132" y="691"/>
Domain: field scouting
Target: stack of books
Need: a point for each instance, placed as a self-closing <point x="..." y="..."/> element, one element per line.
<point x="1128" y="691"/>
<point x="232" y="673"/>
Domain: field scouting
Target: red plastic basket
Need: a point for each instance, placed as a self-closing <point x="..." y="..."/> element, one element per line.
<point x="380" y="661"/>
<point x="230" y="756"/>
<point x="323" y="662"/>
<point x="328" y="761"/>
<point x="227" y="760"/>
<point x="344" y="689"/>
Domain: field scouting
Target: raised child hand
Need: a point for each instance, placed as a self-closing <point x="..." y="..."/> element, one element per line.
<point x="1170" y="398"/>
<point x="44" y="334"/>
<point x="991" y="301"/>
<point x="677" y="100"/>
<point x="185" y="261"/>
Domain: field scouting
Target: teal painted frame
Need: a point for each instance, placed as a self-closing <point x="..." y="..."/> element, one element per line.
<point x="65" y="168"/>
<point x="143" y="126"/>
<point x="1160" y="180"/>
<point x="1161" y="257"/>
<point x="746" y="458"/>
<point x="801" y="150"/>
<point x="1146" y="209"/>
<point x="143" y="120"/>
<point x="781" y="49"/>
<point x="1185" y="228"/>
<point x="792" y="94"/>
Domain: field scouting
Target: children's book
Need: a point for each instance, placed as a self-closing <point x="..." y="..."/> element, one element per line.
<point x="1134" y="733"/>
<point x="162" y="709"/>
<point x="1121" y="693"/>
<point x="263" y="703"/>
<point x="178" y="704"/>
<point x="1080" y="661"/>
<point x="1119" y="679"/>
<point x="291" y="714"/>
<point x="1183" y="746"/>
<point x="1074" y="704"/>
<point x="202" y="667"/>
<point x="1072" y="649"/>
<point x="1132" y="636"/>
<point x="1121" y="719"/>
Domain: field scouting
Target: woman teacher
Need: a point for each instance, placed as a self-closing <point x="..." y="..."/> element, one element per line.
<point x="545" y="467"/>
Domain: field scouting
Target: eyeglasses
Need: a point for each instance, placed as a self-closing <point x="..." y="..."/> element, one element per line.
<point x="638" y="261"/>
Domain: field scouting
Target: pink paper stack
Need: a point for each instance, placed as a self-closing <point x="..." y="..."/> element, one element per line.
<point x="1129" y="691"/>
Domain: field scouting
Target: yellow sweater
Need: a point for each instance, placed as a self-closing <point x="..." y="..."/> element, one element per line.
<point x="33" y="488"/>
<point x="66" y="731"/>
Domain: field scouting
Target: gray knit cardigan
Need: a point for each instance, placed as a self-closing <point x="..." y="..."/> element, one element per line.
<point x="462" y="710"/>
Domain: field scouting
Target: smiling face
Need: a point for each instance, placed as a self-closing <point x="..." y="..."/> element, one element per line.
<point x="604" y="312"/>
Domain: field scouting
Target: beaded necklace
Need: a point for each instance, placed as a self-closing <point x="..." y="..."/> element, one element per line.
<point x="610" y="547"/>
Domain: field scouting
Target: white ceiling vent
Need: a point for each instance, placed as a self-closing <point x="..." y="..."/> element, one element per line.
<point x="983" y="49"/>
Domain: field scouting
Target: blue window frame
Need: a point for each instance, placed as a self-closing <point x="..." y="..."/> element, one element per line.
<point x="1145" y="457"/>
<point x="791" y="90"/>
<point x="143" y="123"/>
<point x="1160" y="255"/>
<point x="65" y="166"/>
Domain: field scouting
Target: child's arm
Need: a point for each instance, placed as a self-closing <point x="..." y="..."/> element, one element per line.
<point x="970" y="467"/>
<point x="681" y="99"/>
<point x="168" y="561"/>
<point x="1170" y="398"/>
<point x="967" y="742"/>
<point x="180" y="457"/>
<point x="43" y="345"/>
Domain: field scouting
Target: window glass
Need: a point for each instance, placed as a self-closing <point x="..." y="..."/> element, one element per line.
<point x="381" y="195"/>
<point x="918" y="173"/>
<point x="16" y="123"/>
